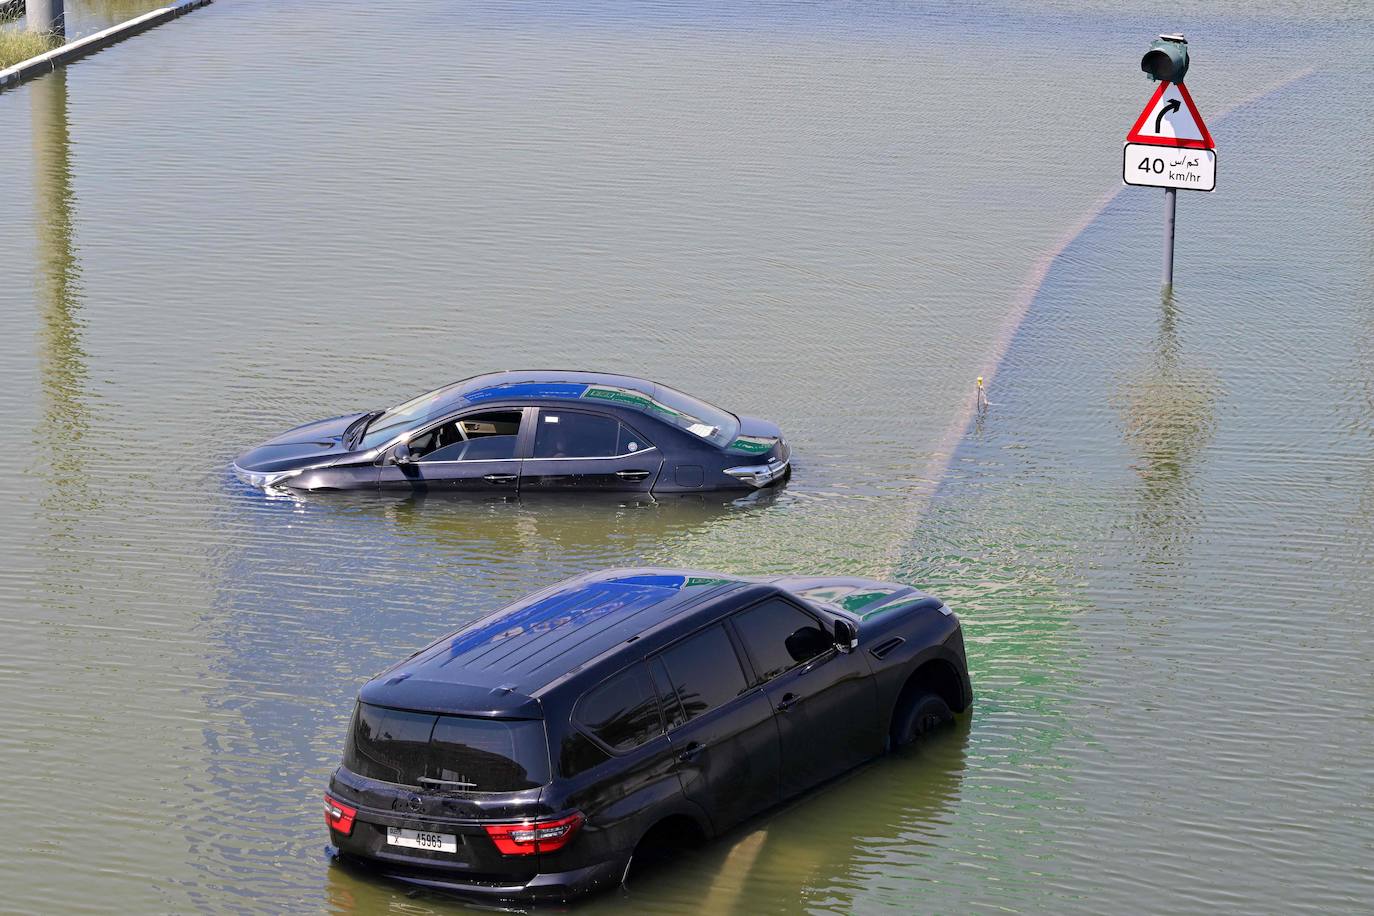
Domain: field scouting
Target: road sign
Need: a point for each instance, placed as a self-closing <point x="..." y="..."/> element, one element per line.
<point x="1171" y="119"/>
<point x="1169" y="167"/>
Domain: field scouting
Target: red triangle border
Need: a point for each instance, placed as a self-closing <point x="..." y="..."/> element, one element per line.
<point x="1135" y="136"/>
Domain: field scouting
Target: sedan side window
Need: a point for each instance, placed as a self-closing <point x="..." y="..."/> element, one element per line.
<point x="576" y="435"/>
<point x="704" y="672"/>
<point x="622" y="712"/>
<point x="779" y="636"/>
<point x="483" y="437"/>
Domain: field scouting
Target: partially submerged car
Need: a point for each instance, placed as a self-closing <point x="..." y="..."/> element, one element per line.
<point x="535" y="754"/>
<point x="529" y="431"/>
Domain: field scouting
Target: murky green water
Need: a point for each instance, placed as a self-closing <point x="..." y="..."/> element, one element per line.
<point x="1158" y="537"/>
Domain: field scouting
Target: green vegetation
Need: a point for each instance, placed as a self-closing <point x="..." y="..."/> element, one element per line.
<point x="18" y="46"/>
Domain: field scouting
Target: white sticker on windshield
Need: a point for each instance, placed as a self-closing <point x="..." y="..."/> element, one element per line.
<point x="701" y="429"/>
<point x="550" y="419"/>
<point x="634" y="446"/>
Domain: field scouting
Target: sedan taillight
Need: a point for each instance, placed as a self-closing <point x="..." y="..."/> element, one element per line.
<point x="338" y="815"/>
<point x="536" y="836"/>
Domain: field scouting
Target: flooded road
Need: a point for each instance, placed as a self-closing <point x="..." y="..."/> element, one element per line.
<point x="1158" y="538"/>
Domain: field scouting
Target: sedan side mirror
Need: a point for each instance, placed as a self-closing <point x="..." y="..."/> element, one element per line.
<point x="846" y="636"/>
<point x="401" y="454"/>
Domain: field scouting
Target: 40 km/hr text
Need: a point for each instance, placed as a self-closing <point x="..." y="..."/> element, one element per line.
<point x="1166" y="167"/>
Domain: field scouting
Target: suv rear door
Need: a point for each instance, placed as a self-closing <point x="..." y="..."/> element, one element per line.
<point x="721" y="729"/>
<point x="586" y="450"/>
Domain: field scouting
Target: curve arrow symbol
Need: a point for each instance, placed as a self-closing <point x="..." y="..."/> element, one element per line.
<point x="1170" y="106"/>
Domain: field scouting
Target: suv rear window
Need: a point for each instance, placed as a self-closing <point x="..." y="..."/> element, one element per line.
<point x="447" y="753"/>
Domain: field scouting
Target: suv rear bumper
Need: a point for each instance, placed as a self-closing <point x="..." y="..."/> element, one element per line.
<point x="554" y="887"/>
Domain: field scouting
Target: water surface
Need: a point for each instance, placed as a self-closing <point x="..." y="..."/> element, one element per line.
<point x="1158" y="537"/>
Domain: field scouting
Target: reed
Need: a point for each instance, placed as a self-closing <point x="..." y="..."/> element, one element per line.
<point x="18" y="46"/>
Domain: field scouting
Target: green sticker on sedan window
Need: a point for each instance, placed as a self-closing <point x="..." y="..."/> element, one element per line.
<point x="693" y="581"/>
<point x="632" y="398"/>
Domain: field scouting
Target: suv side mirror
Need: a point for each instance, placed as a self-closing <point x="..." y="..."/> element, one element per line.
<point x="401" y="454"/>
<point x="846" y="636"/>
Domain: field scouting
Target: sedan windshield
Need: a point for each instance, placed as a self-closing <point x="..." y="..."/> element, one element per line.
<point x="393" y="422"/>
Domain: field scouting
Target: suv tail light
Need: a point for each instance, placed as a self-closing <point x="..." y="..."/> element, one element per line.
<point x="536" y="836"/>
<point x="338" y="815"/>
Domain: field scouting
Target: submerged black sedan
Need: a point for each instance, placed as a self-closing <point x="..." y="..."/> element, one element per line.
<point x="529" y="431"/>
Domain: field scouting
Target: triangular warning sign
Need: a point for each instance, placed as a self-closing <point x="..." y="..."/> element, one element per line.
<point x="1171" y="119"/>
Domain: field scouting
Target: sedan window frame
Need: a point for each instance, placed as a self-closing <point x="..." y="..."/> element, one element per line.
<point x="522" y="442"/>
<point x="534" y="431"/>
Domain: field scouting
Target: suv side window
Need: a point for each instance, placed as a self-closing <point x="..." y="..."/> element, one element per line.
<point x="623" y="711"/>
<point x="704" y="671"/>
<point x="779" y="636"/>
<point x="577" y="435"/>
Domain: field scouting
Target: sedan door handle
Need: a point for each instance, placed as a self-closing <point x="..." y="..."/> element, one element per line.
<point x="787" y="702"/>
<point x="632" y="475"/>
<point x="500" y="478"/>
<point x="691" y="752"/>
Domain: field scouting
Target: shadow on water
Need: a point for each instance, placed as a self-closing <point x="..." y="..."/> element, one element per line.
<point x="1167" y="409"/>
<point x="822" y="848"/>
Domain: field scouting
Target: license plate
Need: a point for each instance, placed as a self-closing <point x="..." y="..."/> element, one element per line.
<point x="419" y="839"/>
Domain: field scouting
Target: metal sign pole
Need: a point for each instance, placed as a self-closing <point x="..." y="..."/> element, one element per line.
<point x="1170" y="202"/>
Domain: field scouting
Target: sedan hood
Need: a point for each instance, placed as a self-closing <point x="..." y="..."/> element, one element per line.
<point x="305" y="445"/>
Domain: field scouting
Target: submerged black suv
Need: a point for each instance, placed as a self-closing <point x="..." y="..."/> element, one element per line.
<point x="533" y="755"/>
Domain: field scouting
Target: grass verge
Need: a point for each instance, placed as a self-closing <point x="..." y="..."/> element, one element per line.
<point x="17" y="46"/>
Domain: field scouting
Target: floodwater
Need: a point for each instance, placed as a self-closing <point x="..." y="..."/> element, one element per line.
<point x="1158" y="537"/>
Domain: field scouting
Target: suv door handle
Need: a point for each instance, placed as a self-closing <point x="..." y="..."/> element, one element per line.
<point x="499" y="478"/>
<point x="691" y="752"/>
<point x="632" y="475"/>
<point x="787" y="702"/>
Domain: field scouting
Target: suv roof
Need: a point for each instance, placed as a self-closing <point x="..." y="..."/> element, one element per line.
<point x="493" y="666"/>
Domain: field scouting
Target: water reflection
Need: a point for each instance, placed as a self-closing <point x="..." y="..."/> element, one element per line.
<point x="61" y="436"/>
<point x="1167" y="409"/>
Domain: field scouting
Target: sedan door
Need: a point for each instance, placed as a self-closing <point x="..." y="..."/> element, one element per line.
<point x="825" y="701"/>
<point x="475" y="452"/>
<point x="580" y="450"/>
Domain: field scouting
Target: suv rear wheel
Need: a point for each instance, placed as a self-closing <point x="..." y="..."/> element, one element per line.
<point x="918" y="715"/>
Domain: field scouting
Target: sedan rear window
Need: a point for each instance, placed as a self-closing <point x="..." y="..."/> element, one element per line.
<point x="447" y="753"/>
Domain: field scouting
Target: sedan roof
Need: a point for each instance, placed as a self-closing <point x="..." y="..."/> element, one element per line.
<point x="551" y="384"/>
